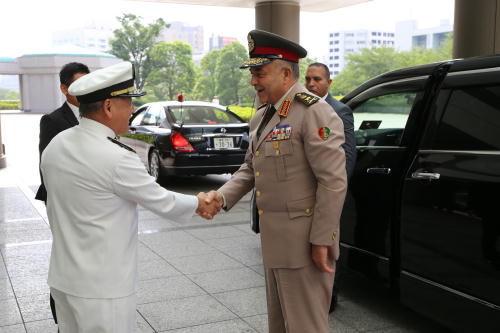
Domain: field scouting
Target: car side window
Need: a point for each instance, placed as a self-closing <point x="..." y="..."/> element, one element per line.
<point x="381" y="120"/>
<point x="138" y="118"/>
<point x="152" y="117"/>
<point x="471" y="120"/>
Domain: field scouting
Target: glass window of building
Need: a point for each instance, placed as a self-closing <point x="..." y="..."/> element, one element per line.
<point x="420" y="41"/>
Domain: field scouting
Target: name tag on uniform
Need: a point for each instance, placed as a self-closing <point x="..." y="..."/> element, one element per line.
<point x="282" y="132"/>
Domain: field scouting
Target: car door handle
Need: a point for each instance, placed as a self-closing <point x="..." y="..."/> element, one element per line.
<point x="425" y="175"/>
<point x="379" y="171"/>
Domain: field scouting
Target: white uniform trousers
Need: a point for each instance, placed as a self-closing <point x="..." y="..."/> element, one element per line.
<point x="298" y="299"/>
<point x="95" y="315"/>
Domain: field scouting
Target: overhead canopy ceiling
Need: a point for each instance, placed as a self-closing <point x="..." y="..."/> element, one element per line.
<point x="305" y="5"/>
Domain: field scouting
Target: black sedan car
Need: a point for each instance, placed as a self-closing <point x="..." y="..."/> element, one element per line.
<point x="187" y="138"/>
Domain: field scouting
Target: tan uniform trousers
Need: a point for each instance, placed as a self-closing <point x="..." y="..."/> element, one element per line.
<point x="298" y="300"/>
<point x="95" y="315"/>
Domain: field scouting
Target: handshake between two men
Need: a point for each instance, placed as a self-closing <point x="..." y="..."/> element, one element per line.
<point x="209" y="204"/>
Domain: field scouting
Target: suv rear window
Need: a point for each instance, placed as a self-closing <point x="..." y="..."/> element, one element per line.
<point x="201" y="115"/>
<point x="471" y="120"/>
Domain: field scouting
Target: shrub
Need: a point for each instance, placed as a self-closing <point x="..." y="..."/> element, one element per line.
<point x="10" y="105"/>
<point x="244" y="112"/>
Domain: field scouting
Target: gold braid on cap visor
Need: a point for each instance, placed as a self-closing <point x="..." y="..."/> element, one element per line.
<point x="256" y="61"/>
<point x="123" y="91"/>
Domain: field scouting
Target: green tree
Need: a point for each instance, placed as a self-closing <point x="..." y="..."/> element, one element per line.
<point x="133" y="40"/>
<point x="12" y="95"/>
<point x="173" y="69"/>
<point x="303" y="64"/>
<point x="231" y="81"/>
<point x="3" y="92"/>
<point x="372" y="62"/>
<point x="360" y="67"/>
<point x="205" y="88"/>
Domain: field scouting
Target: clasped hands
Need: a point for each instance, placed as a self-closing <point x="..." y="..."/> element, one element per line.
<point x="209" y="204"/>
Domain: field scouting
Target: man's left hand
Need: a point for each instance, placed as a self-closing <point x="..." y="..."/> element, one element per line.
<point x="321" y="255"/>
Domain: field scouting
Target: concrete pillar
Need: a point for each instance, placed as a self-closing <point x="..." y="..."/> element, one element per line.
<point x="476" y="28"/>
<point x="279" y="17"/>
<point x="3" y="159"/>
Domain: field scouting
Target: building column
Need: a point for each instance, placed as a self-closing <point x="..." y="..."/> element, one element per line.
<point x="3" y="159"/>
<point x="279" y="17"/>
<point x="476" y="29"/>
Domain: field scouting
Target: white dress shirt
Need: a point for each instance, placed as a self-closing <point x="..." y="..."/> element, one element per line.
<point x="75" y="109"/>
<point x="93" y="188"/>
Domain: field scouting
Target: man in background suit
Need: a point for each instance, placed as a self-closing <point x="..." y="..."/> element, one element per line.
<point x="318" y="82"/>
<point x="64" y="117"/>
<point x="57" y="121"/>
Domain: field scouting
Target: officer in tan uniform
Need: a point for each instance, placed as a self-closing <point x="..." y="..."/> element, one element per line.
<point x="297" y="165"/>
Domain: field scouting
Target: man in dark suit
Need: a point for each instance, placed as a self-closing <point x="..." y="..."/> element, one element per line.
<point x="62" y="118"/>
<point x="57" y="121"/>
<point x="318" y="82"/>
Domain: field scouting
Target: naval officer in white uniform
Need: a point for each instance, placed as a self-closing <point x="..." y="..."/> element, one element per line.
<point x="94" y="184"/>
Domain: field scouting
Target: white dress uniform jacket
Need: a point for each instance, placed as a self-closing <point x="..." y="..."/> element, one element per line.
<point x="94" y="186"/>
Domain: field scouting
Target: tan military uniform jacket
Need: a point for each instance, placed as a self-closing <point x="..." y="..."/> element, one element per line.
<point x="299" y="177"/>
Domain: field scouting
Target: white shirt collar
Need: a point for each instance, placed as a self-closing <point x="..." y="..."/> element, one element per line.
<point x="96" y="127"/>
<point x="324" y="97"/>
<point x="280" y="101"/>
<point x="75" y="109"/>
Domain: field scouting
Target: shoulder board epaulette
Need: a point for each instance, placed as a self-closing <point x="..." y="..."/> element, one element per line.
<point x="120" y="144"/>
<point x="306" y="98"/>
<point x="261" y="106"/>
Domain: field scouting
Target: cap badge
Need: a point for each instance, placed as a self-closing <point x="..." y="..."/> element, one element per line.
<point x="251" y="44"/>
<point x="324" y="133"/>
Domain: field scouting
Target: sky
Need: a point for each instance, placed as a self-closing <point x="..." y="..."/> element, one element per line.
<point x="27" y="25"/>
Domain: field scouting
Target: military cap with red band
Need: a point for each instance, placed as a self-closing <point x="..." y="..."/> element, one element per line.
<point x="264" y="47"/>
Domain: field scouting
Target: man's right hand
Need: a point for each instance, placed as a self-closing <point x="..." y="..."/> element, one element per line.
<point x="214" y="196"/>
<point x="207" y="206"/>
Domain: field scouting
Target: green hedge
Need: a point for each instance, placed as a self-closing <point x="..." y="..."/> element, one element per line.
<point x="10" y="105"/>
<point x="245" y="112"/>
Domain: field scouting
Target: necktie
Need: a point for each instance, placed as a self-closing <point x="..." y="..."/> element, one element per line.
<point x="269" y="114"/>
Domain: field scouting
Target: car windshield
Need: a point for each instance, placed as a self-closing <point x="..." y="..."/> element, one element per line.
<point x="199" y="115"/>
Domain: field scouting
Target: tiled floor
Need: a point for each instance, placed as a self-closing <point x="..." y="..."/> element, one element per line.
<point x="196" y="277"/>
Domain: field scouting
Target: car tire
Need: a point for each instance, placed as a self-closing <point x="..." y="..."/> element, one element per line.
<point x="154" y="167"/>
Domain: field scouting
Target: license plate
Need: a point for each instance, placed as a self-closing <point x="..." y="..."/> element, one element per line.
<point x="223" y="143"/>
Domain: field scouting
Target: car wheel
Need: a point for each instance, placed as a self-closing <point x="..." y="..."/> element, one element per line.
<point x="155" y="165"/>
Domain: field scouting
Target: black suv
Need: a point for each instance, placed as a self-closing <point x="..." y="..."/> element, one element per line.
<point x="421" y="214"/>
